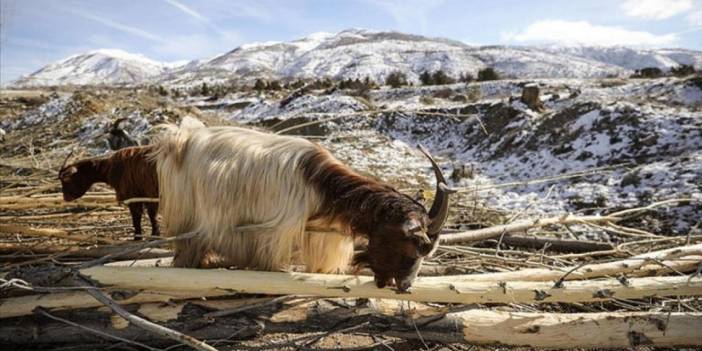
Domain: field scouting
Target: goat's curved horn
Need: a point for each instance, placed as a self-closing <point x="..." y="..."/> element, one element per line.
<point x="116" y="123"/>
<point x="439" y="209"/>
<point x="65" y="161"/>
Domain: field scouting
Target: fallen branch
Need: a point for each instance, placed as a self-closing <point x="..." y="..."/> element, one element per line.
<point x="51" y="232"/>
<point x="567" y="330"/>
<point x="449" y="289"/>
<point x="399" y="319"/>
<point x="555" y="244"/>
<point x="522" y="226"/>
<point x="148" y="325"/>
<point x="588" y="271"/>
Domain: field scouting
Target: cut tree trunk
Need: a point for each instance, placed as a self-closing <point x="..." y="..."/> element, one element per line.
<point x="388" y="317"/>
<point x="520" y="226"/>
<point x="567" y="330"/>
<point x="555" y="244"/>
<point x="449" y="289"/>
<point x="632" y="264"/>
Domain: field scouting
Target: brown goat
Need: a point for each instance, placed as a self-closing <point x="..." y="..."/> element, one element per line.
<point x="129" y="171"/>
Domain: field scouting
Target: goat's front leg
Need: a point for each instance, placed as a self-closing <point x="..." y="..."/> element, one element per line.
<point x="136" y="209"/>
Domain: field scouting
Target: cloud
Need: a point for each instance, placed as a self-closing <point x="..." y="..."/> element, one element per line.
<point x="187" y="10"/>
<point x="582" y="32"/>
<point x="118" y="26"/>
<point x="695" y="18"/>
<point x="655" y="9"/>
<point x="408" y="14"/>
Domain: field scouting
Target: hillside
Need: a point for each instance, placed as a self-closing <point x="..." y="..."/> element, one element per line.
<point x="357" y="53"/>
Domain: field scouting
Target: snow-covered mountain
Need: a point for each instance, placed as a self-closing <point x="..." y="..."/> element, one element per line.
<point x="358" y="53"/>
<point x="103" y="66"/>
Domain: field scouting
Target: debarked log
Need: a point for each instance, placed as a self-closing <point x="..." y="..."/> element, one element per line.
<point x="388" y="317"/>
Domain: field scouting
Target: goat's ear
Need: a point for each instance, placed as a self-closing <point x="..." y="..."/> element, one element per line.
<point x="67" y="172"/>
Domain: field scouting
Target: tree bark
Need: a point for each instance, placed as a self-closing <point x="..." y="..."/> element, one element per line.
<point x="555" y="244"/>
<point x="632" y="264"/>
<point x="567" y="330"/>
<point x="520" y="226"/>
<point x="382" y="317"/>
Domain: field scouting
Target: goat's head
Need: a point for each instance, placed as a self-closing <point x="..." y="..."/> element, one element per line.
<point x="75" y="180"/>
<point x="404" y="234"/>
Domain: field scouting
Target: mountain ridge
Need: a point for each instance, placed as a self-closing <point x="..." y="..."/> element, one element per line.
<point x="357" y="53"/>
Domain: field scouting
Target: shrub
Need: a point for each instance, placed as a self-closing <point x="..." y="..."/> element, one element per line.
<point x="426" y="78"/>
<point x="487" y="73"/>
<point x="441" y="78"/>
<point x="274" y="85"/>
<point x="427" y="100"/>
<point x="648" y="72"/>
<point x="204" y="89"/>
<point x="396" y="79"/>
<point x="443" y="93"/>
<point x="466" y="77"/>
<point x="473" y="93"/>
<point x="683" y="70"/>
<point x="260" y="85"/>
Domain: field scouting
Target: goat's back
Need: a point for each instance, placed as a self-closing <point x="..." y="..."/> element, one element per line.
<point x="133" y="173"/>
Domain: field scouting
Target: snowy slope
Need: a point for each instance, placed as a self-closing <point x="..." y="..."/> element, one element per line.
<point x="358" y="53"/>
<point x="630" y="58"/>
<point x="103" y="66"/>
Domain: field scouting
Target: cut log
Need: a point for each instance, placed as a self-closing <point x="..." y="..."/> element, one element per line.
<point x="51" y="232"/>
<point x="555" y="244"/>
<point x="79" y="252"/>
<point x="186" y="283"/>
<point x="23" y="203"/>
<point x="449" y="289"/>
<point x="572" y="330"/>
<point x="520" y="226"/>
<point x="24" y="305"/>
<point x="587" y="271"/>
<point x="474" y="326"/>
<point x="665" y="267"/>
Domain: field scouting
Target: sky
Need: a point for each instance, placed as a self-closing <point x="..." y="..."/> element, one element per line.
<point x="34" y="33"/>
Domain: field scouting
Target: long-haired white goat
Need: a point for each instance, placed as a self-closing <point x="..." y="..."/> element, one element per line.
<point x="251" y="195"/>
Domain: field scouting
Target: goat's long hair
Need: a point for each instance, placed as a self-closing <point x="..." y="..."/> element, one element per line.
<point x="247" y="193"/>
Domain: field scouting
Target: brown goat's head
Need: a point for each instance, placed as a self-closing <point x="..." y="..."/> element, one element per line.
<point x="404" y="234"/>
<point x="75" y="179"/>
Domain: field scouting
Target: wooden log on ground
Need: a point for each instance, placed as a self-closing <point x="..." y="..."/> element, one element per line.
<point x="80" y="252"/>
<point x="196" y="283"/>
<point x="24" y="305"/>
<point x="520" y="226"/>
<point x="23" y="203"/>
<point x="555" y="244"/>
<point x="567" y="330"/>
<point x="474" y="326"/>
<point x="665" y="267"/>
<point x="587" y="271"/>
<point x="51" y="232"/>
<point x="449" y="289"/>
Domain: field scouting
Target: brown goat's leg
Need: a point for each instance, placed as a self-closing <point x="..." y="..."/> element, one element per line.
<point x="136" y="209"/>
<point x="152" y="211"/>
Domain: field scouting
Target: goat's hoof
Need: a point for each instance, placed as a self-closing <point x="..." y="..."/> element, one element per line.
<point x="137" y="237"/>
